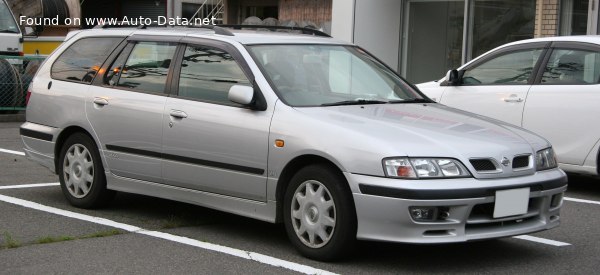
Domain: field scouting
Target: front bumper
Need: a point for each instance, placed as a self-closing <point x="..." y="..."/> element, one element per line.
<point x="382" y="207"/>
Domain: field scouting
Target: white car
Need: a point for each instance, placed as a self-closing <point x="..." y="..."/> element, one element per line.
<point x="547" y="85"/>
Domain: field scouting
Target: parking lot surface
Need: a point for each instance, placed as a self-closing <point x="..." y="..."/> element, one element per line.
<point x="41" y="233"/>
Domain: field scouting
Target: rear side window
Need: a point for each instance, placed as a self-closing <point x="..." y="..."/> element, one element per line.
<point x="147" y="67"/>
<point x="82" y="60"/>
<point x="572" y="67"/>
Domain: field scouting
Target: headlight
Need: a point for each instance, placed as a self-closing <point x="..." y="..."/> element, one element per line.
<point x="414" y="168"/>
<point x="545" y="159"/>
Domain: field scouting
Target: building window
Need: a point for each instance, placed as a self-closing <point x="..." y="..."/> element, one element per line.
<point x="574" y="17"/>
<point x="499" y="22"/>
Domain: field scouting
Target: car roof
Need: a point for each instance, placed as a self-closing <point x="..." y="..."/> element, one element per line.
<point x="594" y="39"/>
<point x="246" y="37"/>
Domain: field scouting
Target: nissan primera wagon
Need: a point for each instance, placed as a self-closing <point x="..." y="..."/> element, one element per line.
<point x="301" y="129"/>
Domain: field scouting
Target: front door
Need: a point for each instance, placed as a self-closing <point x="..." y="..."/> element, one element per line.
<point x="211" y="144"/>
<point x="496" y="86"/>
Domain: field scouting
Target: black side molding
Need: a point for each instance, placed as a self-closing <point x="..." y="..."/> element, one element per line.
<point x="35" y="134"/>
<point x="450" y="194"/>
<point x="221" y="165"/>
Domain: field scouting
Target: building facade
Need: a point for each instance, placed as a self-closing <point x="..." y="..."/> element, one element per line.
<point x="423" y="39"/>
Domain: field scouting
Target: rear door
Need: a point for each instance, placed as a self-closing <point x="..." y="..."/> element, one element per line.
<point x="496" y="86"/>
<point x="210" y="143"/>
<point x="126" y="109"/>
<point x="563" y="106"/>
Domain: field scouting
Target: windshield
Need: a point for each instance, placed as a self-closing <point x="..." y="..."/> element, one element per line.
<point x="7" y="22"/>
<point x="328" y="75"/>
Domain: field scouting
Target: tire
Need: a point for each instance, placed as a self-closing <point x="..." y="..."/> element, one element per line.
<point x="81" y="173"/>
<point x="321" y="225"/>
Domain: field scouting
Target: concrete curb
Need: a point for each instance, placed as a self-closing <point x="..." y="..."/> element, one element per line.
<point x="12" y="117"/>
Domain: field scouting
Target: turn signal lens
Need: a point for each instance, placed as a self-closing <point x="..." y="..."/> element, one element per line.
<point x="400" y="168"/>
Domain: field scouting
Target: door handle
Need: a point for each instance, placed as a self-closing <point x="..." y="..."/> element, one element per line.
<point x="178" y="114"/>
<point x="100" y="101"/>
<point x="513" y="99"/>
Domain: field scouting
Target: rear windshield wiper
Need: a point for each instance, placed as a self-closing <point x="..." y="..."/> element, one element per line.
<point x="413" y="100"/>
<point x="359" y="101"/>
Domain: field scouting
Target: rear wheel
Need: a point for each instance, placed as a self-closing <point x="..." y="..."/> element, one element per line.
<point x="319" y="213"/>
<point x="81" y="174"/>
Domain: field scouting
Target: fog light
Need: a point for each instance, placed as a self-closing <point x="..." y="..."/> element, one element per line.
<point x="556" y="200"/>
<point x="419" y="213"/>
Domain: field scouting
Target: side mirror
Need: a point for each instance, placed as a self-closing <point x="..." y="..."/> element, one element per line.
<point x="29" y="31"/>
<point x="241" y="94"/>
<point x="453" y="77"/>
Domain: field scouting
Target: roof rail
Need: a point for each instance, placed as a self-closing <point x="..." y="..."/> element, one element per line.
<point x="223" y="29"/>
<point x="274" y="28"/>
<point x="117" y="25"/>
<point x="216" y="29"/>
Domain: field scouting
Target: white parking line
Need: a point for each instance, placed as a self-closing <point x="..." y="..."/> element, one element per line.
<point x="12" y="152"/>
<point x="29" y="185"/>
<point x="541" y="240"/>
<point x="582" y="201"/>
<point x="257" y="257"/>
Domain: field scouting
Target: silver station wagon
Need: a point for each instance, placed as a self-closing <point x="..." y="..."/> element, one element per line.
<point x="297" y="128"/>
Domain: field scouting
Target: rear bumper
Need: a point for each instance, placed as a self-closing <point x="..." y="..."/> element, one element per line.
<point x="382" y="207"/>
<point x="39" y="142"/>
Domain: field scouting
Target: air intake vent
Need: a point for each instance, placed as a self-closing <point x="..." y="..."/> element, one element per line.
<point x="520" y="162"/>
<point x="483" y="165"/>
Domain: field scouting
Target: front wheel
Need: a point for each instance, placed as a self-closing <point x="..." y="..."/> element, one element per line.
<point x="319" y="214"/>
<point x="81" y="174"/>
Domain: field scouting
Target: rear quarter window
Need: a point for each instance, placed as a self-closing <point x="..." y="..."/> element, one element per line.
<point x="82" y="60"/>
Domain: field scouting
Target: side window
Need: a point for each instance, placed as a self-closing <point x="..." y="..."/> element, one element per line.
<point x="116" y="68"/>
<point x="82" y="60"/>
<point x="572" y="67"/>
<point x="147" y="67"/>
<point x="510" y="68"/>
<point x="208" y="73"/>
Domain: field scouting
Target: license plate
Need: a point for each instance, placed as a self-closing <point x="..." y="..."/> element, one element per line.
<point x="511" y="202"/>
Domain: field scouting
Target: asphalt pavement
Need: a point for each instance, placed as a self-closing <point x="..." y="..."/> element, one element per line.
<point x="41" y="233"/>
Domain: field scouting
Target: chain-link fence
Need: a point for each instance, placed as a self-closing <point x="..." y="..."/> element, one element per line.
<point x="16" y="73"/>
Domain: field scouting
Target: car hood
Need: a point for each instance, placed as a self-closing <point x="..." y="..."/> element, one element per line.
<point x="423" y="130"/>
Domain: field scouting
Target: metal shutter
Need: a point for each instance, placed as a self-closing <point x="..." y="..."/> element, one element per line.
<point x="144" y="8"/>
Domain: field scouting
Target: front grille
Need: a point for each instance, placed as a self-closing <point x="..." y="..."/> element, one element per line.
<point x="520" y="162"/>
<point x="483" y="165"/>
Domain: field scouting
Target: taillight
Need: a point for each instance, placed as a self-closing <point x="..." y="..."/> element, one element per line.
<point x="21" y="54"/>
<point x="28" y="95"/>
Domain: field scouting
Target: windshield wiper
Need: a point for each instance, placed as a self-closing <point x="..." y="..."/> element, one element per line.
<point x="413" y="100"/>
<point x="358" y="101"/>
<point x="8" y="31"/>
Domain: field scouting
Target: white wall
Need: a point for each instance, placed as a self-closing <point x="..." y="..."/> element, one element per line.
<point x="377" y="28"/>
<point x="342" y="20"/>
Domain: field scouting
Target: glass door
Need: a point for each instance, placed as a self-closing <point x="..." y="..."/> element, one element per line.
<point x="433" y="38"/>
<point x="579" y="17"/>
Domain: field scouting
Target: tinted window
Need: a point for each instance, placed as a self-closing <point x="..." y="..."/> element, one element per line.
<point x="147" y="67"/>
<point x="82" y="60"/>
<point x="509" y="68"/>
<point x="572" y="67"/>
<point x="207" y="74"/>
<point x="7" y="24"/>
<point x="114" y="71"/>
